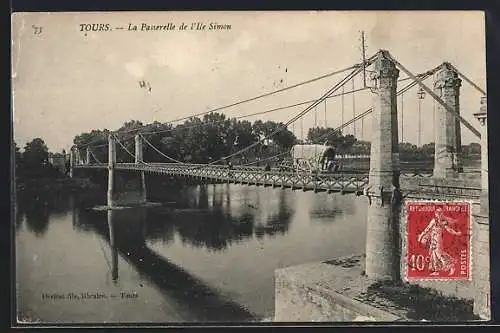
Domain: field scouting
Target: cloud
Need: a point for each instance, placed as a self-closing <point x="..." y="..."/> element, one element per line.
<point x="136" y="68"/>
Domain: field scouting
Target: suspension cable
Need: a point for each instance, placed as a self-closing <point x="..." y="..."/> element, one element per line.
<point x="121" y="144"/>
<point x="259" y="96"/>
<point x="95" y="158"/>
<point x="265" y="159"/>
<point x="257" y="113"/>
<point x="402" y="118"/>
<point x="250" y="115"/>
<point x="325" y="114"/>
<point x="468" y="80"/>
<point x="406" y="88"/>
<point x="158" y="151"/>
<point x="101" y="145"/>
<point x="299" y="115"/>
<point x="301" y="129"/>
<point x="345" y="124"/>
<point x="355" y="66"/>
<point x="439" y="100"/>
<point x="315" y="103"/>
<point x="238" y="117"/>
<point x="353" y="110"/>
<point x="362" y="115"/>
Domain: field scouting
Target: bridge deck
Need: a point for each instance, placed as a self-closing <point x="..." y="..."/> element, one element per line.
<point x="344" y="182"/>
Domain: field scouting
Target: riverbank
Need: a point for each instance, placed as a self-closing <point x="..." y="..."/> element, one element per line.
<point x="338" y="290"/>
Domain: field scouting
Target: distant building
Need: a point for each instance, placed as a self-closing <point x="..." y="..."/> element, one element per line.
<point x="58" y="161"/>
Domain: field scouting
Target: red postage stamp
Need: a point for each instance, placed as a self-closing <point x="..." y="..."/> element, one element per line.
<point x="438" y="241"/>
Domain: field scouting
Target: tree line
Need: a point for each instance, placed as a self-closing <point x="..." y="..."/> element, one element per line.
<point x="410" y="152"/>
<point x="32" y="164"/>
<point x="207" y="139"/>
<point x="214" y="136"/>
<point x="204" y="140"/>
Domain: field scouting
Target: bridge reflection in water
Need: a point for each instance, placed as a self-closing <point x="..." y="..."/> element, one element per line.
<point x="207" y="254"/>
<point x="126" y="232"/>
<point x="211" y="225"/>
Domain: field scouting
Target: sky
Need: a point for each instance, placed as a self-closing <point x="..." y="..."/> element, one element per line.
<point x="67" y="81"/>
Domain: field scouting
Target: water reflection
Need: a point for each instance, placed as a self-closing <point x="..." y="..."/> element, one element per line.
<point x="203" y="216"/>
<point x="277" y="222"/>
<point x="122" y="233"/>
<point x="114" y="249"/>
<point x="326" y="208"/>
<point x="55" y="202"/>
<point x="203" y="246"/>
<point x="213" y="231"/>
<point x="37" y="215"/>
<point x="36" y="208"/>
<point x="212" y="223"/>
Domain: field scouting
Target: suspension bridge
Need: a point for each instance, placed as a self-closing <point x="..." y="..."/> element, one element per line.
<point x="386" y="183"/>
<point x="448" y="163"/>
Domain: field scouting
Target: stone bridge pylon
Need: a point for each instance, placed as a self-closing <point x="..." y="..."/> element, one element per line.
<point x="448" y="143"/>
<point x="125" y="187"/>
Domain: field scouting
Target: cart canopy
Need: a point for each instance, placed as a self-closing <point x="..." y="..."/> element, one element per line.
<point x="313" y="152"/>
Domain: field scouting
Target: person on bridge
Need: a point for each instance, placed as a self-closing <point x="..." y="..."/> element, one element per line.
<point x="67" y="167"/>
<point x="267" y="169"/>
<point x="330" y="166"/>
<point x="230" y="167"/>
<point x="323" y="162"/>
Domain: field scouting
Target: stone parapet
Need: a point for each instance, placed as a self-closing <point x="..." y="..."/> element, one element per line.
<point x="481" y="227"/>
<point x="339" y="291"/>
<point x="324" y="292"/>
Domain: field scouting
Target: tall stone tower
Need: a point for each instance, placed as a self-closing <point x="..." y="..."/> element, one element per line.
<point x="448" y="152"/>
<point x="382" y="243"/>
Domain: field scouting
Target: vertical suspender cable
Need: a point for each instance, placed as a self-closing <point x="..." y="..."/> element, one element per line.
<point x="315" y="116"/>
<point x="315" y="126"/>
<point x="402" y="119"/>
<point x="419" y="137"/>
<point x="326" y="125"/>
<point x="342" y="109"/>
<point x="433" y="139"/>
<point x="302" y="129"/>
<point x="353" y="109"/>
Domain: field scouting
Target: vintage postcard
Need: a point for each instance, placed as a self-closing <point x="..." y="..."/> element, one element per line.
<point x="236" y="167"/>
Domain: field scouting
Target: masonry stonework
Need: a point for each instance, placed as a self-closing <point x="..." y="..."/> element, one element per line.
<point x="87" y="159"/>
<point x="139" y="160"/>
<point x="382" y="252"/>
<point x="71" y="161"/>
<point x="448" y="146"/>
<point x="314" y="292"/>
<point x="481" y="228"/>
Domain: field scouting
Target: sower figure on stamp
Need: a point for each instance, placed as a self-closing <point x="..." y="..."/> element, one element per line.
<point x="432" y="236"/>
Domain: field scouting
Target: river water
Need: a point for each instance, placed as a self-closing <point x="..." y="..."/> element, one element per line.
<point x="208" y="253"/>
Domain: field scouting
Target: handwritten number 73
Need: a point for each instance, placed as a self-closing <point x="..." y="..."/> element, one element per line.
<point x="36" y="30"/>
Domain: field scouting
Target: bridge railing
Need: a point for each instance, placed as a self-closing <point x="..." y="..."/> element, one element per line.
<point x="420" y="183"/>
<point x="251" y="169"/>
